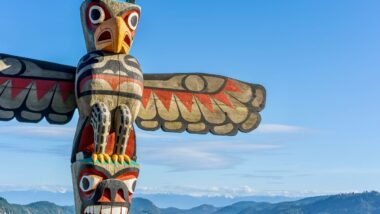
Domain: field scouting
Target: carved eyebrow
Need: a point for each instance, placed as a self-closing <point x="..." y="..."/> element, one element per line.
<point x="126" y="170"/>
<point x="97" y="168"/>
<point x="107" y="173"/>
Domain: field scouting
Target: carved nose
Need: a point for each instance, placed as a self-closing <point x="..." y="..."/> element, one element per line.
<point x="112" y="191"/>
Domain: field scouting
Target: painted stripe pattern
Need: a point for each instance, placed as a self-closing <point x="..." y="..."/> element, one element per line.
<point x="31" y="90"/>
<point x="200" y="103"/>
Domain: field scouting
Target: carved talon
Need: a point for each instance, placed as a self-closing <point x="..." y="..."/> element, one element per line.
<point x="121" y="159"/>
<point x="127" y="159"/>
<point x="102" y="158"/>
<point x="107" y="158"/>
<point x="94" y="158"/>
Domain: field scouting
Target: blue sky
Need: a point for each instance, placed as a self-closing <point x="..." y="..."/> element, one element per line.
<point x="319" y="61"/>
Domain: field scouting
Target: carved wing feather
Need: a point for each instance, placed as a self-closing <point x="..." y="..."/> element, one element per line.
<point x="200" y="103"/>
<point x="31" y="90"/>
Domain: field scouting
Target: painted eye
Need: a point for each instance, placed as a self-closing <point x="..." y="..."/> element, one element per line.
<point x="131" y="184"/>
<point x="89" y="182"/>
<point x="96" y="14"/>
<point x="133" y="20"/>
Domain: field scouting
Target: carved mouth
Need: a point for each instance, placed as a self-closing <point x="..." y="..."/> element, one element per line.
<point x="103" y="209"/>
<point x="106" y="35"/>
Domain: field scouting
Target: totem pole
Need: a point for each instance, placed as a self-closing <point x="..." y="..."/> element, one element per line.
<point x="111" y="94"/>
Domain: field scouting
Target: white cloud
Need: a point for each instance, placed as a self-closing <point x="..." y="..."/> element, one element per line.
<point x="194" y="191"/>
<point x="228" y="192"/>
<point x="38" y="131"/>
<point x="199" y="155"/>
<point x="278" y="128"/>
<point x="177" y="151"/>
<point x="43" y="188"/>
<point x="155" y="135"/>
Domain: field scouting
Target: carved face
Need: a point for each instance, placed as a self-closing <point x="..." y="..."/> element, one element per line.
<point x="104" y="188"/>
<point x="109" y="25"/>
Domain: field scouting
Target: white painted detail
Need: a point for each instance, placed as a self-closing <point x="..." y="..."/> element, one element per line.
<point x="99" y="209"/>
<point x="89" y="182"/>
<point x="101" y="12"/>
<point x="3" y="66"/>
<point x="129" y="183"/>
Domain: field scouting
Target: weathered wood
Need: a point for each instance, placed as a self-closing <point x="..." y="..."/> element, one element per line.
<point x="199" y="103"/>
<point x="111" y="93"/>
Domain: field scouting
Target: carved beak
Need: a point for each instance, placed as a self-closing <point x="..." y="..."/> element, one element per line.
<point x="114" y="36"/>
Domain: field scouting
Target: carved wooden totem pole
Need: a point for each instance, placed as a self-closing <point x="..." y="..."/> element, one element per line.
<point x="111" y="94"/>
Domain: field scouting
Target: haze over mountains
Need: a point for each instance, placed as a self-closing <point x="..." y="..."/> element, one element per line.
<point x="65" y="198"/>
<point x="368" y="202"/>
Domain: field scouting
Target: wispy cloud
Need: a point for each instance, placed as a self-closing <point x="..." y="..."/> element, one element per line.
<point x="278" y="128"/>
<point x="43" y="188"/>
<point x="156" y="135"/>
<point x="40" y="147"/>
<point x="263" y="176"/>
<point x="228" y="192"/>
<point x="194" y="191"/>
<point x="181" y="153"/>
<point x="178" y="152"/>
<point x="200" y="155"/>
<point x="37" y="139"/>
<point x="44" y="131"/>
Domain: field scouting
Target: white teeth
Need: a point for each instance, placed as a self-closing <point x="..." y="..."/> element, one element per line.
<point x="96" y="209"/>
<point x="106" y="210"/>
<point x="116" y="210"/>
<point x="99" y="209"/>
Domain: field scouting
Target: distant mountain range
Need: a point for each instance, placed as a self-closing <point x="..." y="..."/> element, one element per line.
<point x="160" y="200"/>
<point x="368" y="203"/>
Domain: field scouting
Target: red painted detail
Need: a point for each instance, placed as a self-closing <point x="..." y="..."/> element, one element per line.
<point x="113" y="80"/>
<point x="110" y="143"/>
<point x="165" y="97"/>
<point x="43" y="86"/>
<point x="18" y="85"/>
<point x="126" y="16"/>
<point x="127" y="176"/>
<point x="91" y="26"/>
<point x="120" y="196"/>
<point x="106" y="197"/>
<point x="146" y="97"/>
<point x="131" y="144"/>
<point x="86" y="143"/>
<point x="186" y="99"/>
<point x="89" y="171"/>
<point x="66" y="89"/>
<point x="222" y="97"/>
<point x="105" y="36"/>
<point x="206" y="101"/>
<point x="3" y="80"/>
<point x="231" y="86"/>
<point x="130" y="197"/>
<point x="127" y="40"/>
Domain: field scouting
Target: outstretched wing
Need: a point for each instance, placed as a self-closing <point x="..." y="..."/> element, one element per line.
<point x="200" y="103"/>
<point x="31" y="90"/>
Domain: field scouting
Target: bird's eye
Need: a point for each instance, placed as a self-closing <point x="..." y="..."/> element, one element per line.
<point x="89" y="182"/>
<point x="96" y="14"/>
<point x="133" y="20"/>
<point x="131" y="184"/>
